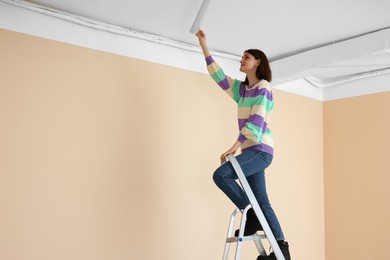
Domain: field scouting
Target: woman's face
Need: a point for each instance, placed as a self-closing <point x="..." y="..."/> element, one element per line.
<point x="248" y="63"/>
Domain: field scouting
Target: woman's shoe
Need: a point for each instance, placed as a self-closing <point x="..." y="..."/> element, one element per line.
<point x="267" y="257"/>
<point x="252" y="224"/>
<point x="283" y="247"/>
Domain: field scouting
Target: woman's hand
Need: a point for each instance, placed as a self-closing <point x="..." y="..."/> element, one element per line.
<point x="201" y="36"/>
<point x="232" y="151"/>
<point x="202" y="41"/>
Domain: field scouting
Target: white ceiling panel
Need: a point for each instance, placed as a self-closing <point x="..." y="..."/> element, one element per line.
<point x="279" y="27"/>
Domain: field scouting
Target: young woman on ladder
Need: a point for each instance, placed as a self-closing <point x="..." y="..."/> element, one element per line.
<point x="255" y="104"/>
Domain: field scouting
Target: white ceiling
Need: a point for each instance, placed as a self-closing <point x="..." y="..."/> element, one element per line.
<point x="323" y="45"/>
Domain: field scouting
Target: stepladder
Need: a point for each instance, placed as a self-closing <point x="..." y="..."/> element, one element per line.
<point x="261" y="238"/>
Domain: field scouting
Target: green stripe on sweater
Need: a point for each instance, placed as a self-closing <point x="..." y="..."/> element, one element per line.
<point x="257" y="101"/>
<point x="236" y="90"/>
<point x="268" y="132"/>
<point x="218" y="76"/>
<point x="256" y="130"/>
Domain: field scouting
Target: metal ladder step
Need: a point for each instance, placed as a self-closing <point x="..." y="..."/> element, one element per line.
<point x="246" y="238"/>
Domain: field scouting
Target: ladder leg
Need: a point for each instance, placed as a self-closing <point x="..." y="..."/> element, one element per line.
<point x="226" y="251"/>
<point x="238" y="250"/>
<point x="260" y="247"/>
<point x="229" y="234"/>
<point x="241" y="233"/>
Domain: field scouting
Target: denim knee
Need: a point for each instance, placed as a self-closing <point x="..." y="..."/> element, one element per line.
<point x="218" y="176"/>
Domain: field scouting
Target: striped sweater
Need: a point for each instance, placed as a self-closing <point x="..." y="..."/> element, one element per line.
<point x="255" y="105"/>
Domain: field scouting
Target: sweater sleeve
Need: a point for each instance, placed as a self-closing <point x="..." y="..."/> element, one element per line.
<point x="255" y="128"/>
<point x="229" y="85"/>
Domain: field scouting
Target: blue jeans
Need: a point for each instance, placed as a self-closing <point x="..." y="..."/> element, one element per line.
<point x="253" y="164"/>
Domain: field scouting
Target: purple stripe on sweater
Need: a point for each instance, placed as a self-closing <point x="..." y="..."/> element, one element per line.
<point x="260" y="147"/>
<point x="209" y="60"/>
<point x="264" y="127"/>
<point x="242" y="89"/>
<point x="241" y="123"/>
<point x="257" y="92"/>
<point x="241" y="138"/>
<point x="224" y="84"/>
<point x="254" y="119"/>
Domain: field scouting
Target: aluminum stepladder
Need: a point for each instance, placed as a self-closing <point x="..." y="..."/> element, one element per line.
<point x="257" y="238"/>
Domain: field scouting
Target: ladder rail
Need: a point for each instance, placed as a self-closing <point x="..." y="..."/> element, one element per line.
<point x="259" y="213"/>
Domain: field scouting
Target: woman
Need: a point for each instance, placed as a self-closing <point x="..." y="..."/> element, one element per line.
<point x="255" y="104"/>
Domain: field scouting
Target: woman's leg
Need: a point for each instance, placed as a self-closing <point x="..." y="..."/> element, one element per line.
<point x="253" y="164"/>
<point x="258" y="186"/>
<point x="225" y="176"/>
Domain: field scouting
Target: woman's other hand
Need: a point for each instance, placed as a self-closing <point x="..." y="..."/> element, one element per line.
<point x="232" y="151"/>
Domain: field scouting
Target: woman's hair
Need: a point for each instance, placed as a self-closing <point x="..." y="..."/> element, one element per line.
<point x="263" y="70"/>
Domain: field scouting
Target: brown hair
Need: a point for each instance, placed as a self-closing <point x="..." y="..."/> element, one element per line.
<point x="263" y="70"/>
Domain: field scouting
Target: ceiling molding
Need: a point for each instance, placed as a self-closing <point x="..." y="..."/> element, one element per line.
<point x="301" y="73"/>
<point x="298" y="66"/>
<point x="30" y="21"/>
<point x="319" y="83"/>
<point x="111" y="28"/>
<point x="332" y="66"/>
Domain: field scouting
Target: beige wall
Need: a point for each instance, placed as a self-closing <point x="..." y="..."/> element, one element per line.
<point x="357" y="177"/>
<point x="108" y="157"/>
<point x="295" y="179"/>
